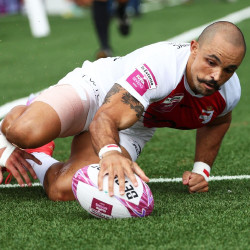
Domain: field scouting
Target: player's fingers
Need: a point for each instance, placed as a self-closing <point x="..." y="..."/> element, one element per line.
<point x="199" y="186"/>
<point x="121" y="179"/>
<point x="17" y="176"/>
<point x="29" y="168"/>
<point x="131" y="175"/>
<point x="140" y="172"/>
<point x="100" y="177"/>
<point x="111" y="177"/>
<point x="205" y="189"/>
<point x="26" y="155"/>
<point x="24" y="174"/>
<point x="195" y="179"/>
<point x="185" y="177"/>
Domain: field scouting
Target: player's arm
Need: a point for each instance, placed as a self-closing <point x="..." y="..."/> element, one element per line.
<point x="119" y="111"/>
<point x="208" y="141"/>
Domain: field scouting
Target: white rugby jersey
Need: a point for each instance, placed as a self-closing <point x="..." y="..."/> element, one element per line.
<point x="155" y="76"/>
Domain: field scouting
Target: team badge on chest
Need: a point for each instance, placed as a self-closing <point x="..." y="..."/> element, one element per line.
<point x="206" y="115"/>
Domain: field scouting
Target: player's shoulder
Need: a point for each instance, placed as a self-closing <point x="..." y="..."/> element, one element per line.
<point x="161" y="48"/>
<point x="231" y="90"/>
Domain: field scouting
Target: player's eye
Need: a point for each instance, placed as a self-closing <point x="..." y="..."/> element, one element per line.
<point x="210" y="62"/>
<point x="229" y="71"/>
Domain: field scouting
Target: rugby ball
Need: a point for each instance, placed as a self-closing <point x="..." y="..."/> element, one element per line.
<point x="136" y="202"/>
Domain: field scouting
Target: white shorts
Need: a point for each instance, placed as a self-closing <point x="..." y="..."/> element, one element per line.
<point x="75" y="98"/>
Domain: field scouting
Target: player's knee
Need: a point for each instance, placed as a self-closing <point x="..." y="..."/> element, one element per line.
<point x="56" y="193"/>
<point x="11" y="117"/>
<point x="22" y="134"/>
<point x="58" y="190"/>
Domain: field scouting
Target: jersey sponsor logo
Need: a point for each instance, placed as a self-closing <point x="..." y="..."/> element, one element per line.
<point x="142" y="79"/>
<point x="206" y="115"/>
<point x="180" y="45"/>
<point x="148" y="76"/>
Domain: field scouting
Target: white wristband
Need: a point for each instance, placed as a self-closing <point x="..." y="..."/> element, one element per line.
<point x="202" y="169"/>
<point x="7" y="152"/>
<point x="107" y="148"/>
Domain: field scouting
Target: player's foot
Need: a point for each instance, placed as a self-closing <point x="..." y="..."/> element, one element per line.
<point x="124" y="25"/>
<point x="47" y="149"/>
<point x="104" y="53"/>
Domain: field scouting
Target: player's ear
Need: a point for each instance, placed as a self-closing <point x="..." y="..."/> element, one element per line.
<point x="194" y="46"/>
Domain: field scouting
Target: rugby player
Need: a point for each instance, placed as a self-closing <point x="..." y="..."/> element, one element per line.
<point x="113" y="106"/>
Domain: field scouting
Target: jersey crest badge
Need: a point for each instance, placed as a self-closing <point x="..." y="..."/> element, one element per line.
<point x="171" y="102"/>
<point x="206" y="115"/>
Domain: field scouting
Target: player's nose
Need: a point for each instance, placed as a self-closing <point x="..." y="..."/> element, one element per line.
<point x="216" y="75"/>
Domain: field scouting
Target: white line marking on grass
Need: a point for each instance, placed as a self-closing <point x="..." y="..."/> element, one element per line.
<point x="211" y="178"/>
<point x="18" y="186"/>
<point x="158" y="180"/>
<point x="235" y="17"/>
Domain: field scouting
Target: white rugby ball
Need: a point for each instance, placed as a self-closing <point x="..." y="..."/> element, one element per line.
<point x="136" y="202"/>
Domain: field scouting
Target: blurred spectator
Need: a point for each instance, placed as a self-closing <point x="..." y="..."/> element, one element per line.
<point x="101" y="17"/>
<point x="133" y="7"/>
<point x="10" y="6"/>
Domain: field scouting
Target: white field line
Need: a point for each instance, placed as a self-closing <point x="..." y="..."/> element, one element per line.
<point x="235" y="17"/>
<point x="158" y="180"/>
<point x="211" y="178"/>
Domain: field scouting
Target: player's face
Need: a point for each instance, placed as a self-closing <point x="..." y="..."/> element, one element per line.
<point x="212" y="65"/>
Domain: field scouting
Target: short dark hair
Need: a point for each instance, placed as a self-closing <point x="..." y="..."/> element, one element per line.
<point x="230" y="31"/>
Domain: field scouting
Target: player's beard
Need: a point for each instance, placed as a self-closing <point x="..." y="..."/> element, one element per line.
<point x="206" y="91"/>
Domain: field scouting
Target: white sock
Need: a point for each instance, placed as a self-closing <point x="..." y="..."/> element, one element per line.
<point x="47" y="162"/>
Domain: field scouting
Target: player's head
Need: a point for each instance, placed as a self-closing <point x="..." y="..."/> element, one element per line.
<point x="215" y="56"/>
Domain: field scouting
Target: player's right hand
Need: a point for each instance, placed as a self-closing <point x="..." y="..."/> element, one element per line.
<point x="18" y="165"/>
<point x="116" y="164"/>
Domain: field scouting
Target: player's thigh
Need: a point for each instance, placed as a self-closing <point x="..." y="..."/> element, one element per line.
<point x="70" y="106"/>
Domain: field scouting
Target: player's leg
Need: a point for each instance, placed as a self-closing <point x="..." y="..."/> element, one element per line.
<point x="124" y="22"/>
<point x="101" y="19"/>
<point x="58" y="179"/>
<point x="31" y="126"/>
<point x="59" y="111"/>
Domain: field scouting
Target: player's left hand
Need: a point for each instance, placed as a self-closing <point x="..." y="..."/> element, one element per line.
<point x="195" y="182"/>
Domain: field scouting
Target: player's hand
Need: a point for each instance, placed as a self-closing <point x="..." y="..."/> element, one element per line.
<point x="18" y="165"/>
<point x="196" y="183"/>
<point x="115" y="164"/>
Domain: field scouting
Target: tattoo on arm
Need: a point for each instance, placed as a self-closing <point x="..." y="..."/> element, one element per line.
<point x="133" y="103"/>
<point x="127" y="98"/>
<point x="114" y="90"/>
